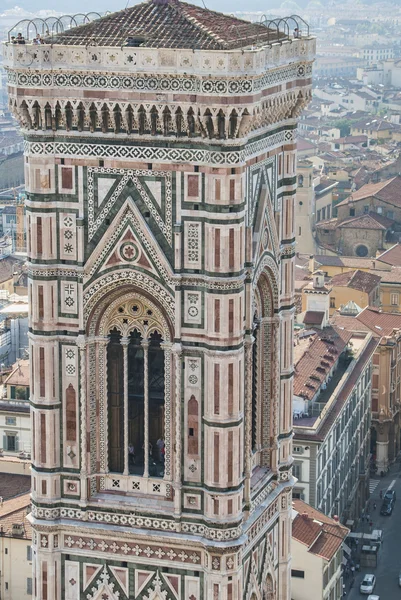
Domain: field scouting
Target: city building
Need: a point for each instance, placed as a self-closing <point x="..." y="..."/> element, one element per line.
<point x="356" y="286"/>
<point x="316" y="301"/>
<point x="375" y="53"/>
<point x="15" y="418"/>
<point x="304" y="208"/>
<point x="331" y="411"/>
<point x="386" y="375"/>
<point x="161" y="286"/>
<point x="317" y="554"/>
<point x="16" y="549"/>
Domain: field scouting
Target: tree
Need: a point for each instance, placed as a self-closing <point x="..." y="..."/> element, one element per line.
<point x="344" y="125"/>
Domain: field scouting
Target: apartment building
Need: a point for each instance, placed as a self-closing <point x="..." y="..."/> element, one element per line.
<point x="331" y="412"/>
<point x="317" y="554"/>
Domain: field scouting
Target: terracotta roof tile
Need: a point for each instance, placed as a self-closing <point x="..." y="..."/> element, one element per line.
<point x="328" y="343"/>
<point x="389" y="191"/>
<point x="168" y="24"/>
<point x="346" y="390"/>
<point x="367" y="221"/>
<point x="392" y="276"/>
<point x="331" y="224"/>
<point x="12" y="485"/>
<point x="13" y="512"/>
<point x="305" y="530"/>
<point x="356" y="280"/>
<point x="313" y="317"/>
<point x="380" y="323"/>
<point x="343" y="261"/>
<point x="20" y="374"/>
<point x="392" y="256"/>
<point x="320" y="533"/>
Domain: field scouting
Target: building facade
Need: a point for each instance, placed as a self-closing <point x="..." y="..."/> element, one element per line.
<point x="15" y="420"/>
<point x="333" y="381"/>
<point x="160" y="174"/>
<point x="385" y="437"/>
<point x="317" y="554"/>
<point x="16" y="549"/>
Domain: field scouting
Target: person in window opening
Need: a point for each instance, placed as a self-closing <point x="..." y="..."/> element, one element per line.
<point x="297" y="33"/>
<point x="38" y="40"/>
<point x="131" y="453"/>
<point x="160" y="448"/>
<point x="150" y="448"/>
<point x="20" y="39"/>
<point x="13" y="39"/>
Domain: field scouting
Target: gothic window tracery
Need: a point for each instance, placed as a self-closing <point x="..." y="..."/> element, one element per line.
<point x="263" y="373"/>
<point x="136" y="389"/>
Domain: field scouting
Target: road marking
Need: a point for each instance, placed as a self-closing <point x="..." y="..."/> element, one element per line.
<point x="373" y="483"/>
<point x="392" y="484"/>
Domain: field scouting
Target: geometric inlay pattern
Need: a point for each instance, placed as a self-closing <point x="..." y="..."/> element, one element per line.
<point x="125" y="176"/>
<point x="153" y="83"/>
<point x="126" y="548"/>
<point x="224" y="156"/>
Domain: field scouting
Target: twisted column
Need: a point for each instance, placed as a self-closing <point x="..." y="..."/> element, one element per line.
<point x="249" y="341"/>
<point x="124" y="343"/>
<point x="177" y="350"/>
<point x="145" y="346"/>
<point x="81" y="343"/>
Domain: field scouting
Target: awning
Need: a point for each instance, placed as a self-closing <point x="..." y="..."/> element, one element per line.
<point x="346" y="548"/>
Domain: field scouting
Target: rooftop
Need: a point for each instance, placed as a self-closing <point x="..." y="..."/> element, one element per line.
<point x="14" y="512"/>
<point x="356" y="280"/>
<point x="392" y="256"/>
<point x="168" y="24"/>
<point x="19" y="375"/>
<point x="370" y="220"/>
<point x="13" y="485"/>
<point x="391" y="276"/>
<point x="342" y="261"/>
<point x="320" y="533"/>
<point x="317" y="356"/>
<point x="381" y="323"/>
<point x="313" y="317"/>
<point x="338" y="389"/>
<point x="388" y="191"/>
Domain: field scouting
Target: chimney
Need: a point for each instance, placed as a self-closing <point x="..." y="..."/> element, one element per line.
<point x="311" y="264"/>
<point x="335" y="518"/>
<point x="305" y="516"/>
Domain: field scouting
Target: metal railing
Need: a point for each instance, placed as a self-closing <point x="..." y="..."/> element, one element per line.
<point x="31" y="28"/>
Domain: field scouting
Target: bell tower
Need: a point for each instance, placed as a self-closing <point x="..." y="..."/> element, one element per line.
<point x="161" y="175"/>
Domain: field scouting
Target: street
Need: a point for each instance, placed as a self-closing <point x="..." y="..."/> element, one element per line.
<point x="389" y="563"/>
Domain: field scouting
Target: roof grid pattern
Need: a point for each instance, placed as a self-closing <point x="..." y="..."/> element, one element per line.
<point x="168" y="24"/>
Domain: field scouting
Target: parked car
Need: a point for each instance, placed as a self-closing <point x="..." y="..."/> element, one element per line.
<point x="399" y="578"/>
<point x="368" y="584"/>
<point x="387" y="508"/>
<point x="373" y="597"/>
<point x="390" y="495"/>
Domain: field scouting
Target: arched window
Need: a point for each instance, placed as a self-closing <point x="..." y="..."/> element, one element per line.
<point x="193" y="426"/>
<point x="255" y="395"/>
<point x="115" y="378"/>
<point x="264" y="359"/>
<point x="136" y="393"/>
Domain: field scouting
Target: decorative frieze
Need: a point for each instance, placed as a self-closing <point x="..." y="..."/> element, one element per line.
<point x="224" y="156"/>
<point x="128" y="68"/>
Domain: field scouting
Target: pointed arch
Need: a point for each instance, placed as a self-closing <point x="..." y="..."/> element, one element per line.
<point x="117" y="118"/>
<point x="141" y="120"/>
<point x="105" y="112"/>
